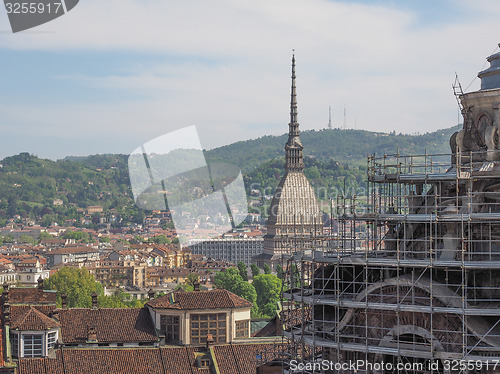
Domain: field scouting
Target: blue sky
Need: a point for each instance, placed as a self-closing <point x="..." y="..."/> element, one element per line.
<point x="111" y="75"/>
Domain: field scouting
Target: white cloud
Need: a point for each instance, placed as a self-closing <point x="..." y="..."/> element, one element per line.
<point x="230" y="74"/>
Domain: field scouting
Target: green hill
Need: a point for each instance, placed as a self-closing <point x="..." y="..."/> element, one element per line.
<point x="351" y="146"/>
<point x="334" y="158"/>
<point x="29" y="185"/>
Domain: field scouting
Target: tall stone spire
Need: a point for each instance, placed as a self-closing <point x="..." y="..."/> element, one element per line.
<point x="293" y="147"/>
<point x="295" y="219"/>
<point x="294" y="125"/>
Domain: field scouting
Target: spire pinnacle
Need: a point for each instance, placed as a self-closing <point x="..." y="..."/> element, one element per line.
<point x="293" y="148"/>
<point x="293" y="101"/>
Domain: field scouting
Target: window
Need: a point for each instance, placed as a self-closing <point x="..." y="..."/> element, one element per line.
<point x="15" y="344"/>
<point x="51" y="340"/>
<point x="205" y="363"/>
<point x="170" y="326"/>
<point x="204" y="324"/>
<point x="32" y="345"/>
<point x="242" y="329"/>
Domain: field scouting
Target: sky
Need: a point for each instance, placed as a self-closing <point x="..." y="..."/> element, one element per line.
<point x="111" y="75"/>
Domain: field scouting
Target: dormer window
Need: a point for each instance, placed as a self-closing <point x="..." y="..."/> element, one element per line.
<point x="203" y="324"/>
<point x="51" y="339"/>
<point x="242" y="329"/>
<point x="170" y="326"/>
<point x="32" y="345"/>
<point x="32" y="333"/>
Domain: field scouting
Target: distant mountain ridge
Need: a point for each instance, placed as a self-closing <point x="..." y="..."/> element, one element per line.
<point x="351" y="146"/>
<point x="29" y="185"/>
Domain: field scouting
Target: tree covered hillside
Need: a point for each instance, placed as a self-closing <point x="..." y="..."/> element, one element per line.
<point x="351" y="146"/>
<point x="334" y="158"/>
<point x="29" y="185"/>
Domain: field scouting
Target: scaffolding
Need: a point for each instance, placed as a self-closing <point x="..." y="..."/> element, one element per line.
<point x="410" y="282"/>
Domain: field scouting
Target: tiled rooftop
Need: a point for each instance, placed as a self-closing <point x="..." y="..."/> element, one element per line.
<point x="32" y="296"/>
<point x="214" y="299"/>
<point x="30" y="318"/>
<point x="231" y="359"/>
<point x="113" y="325"/>
<point x="69" y="249"/>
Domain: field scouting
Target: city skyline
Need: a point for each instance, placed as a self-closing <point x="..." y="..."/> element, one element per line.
<point x="107" y="77"/>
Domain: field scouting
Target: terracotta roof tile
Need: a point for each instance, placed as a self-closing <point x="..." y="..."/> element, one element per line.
<point x="32" y="319"/>
<point x="111" y="324"/>
<point x="109" y="361"/>
<point x="40" y="366"/>
<point x="69" y="249"/>
<point x="53" y="366"/>
<point x="214" y="299"/>
<point x="34" y="296"/>
<point x="21" y="309"/>
<point x="272" y="328"/>
<point x="180" y="361"/>
<point x="98" y="361"/>
<point x="226" y="360"/>
<point x="237" y="359"/>
<point x="53" y="241"/>
<point x="29" y="261"/>
<point x="242" y="358"/>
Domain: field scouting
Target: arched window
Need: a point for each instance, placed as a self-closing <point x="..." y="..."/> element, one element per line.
<point x="482" y="123"/>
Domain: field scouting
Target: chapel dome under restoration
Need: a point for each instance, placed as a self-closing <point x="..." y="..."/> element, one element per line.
<point x="490" y="78"/>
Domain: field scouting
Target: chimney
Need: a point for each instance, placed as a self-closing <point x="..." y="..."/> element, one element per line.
<point x="5" y="304"/>
<point x="6" y="312"/>
<point x="40" y="283"/>
<point x="94" y="300"/>
<point x="64" y="301"/>
<point x="196" y="285"/>
<point x="55" y="314"/>
<point x="92" y="335"/>
<point x="210" y="341"/>
<point x="151" y="294"/>
<point x="5" y="292"/>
